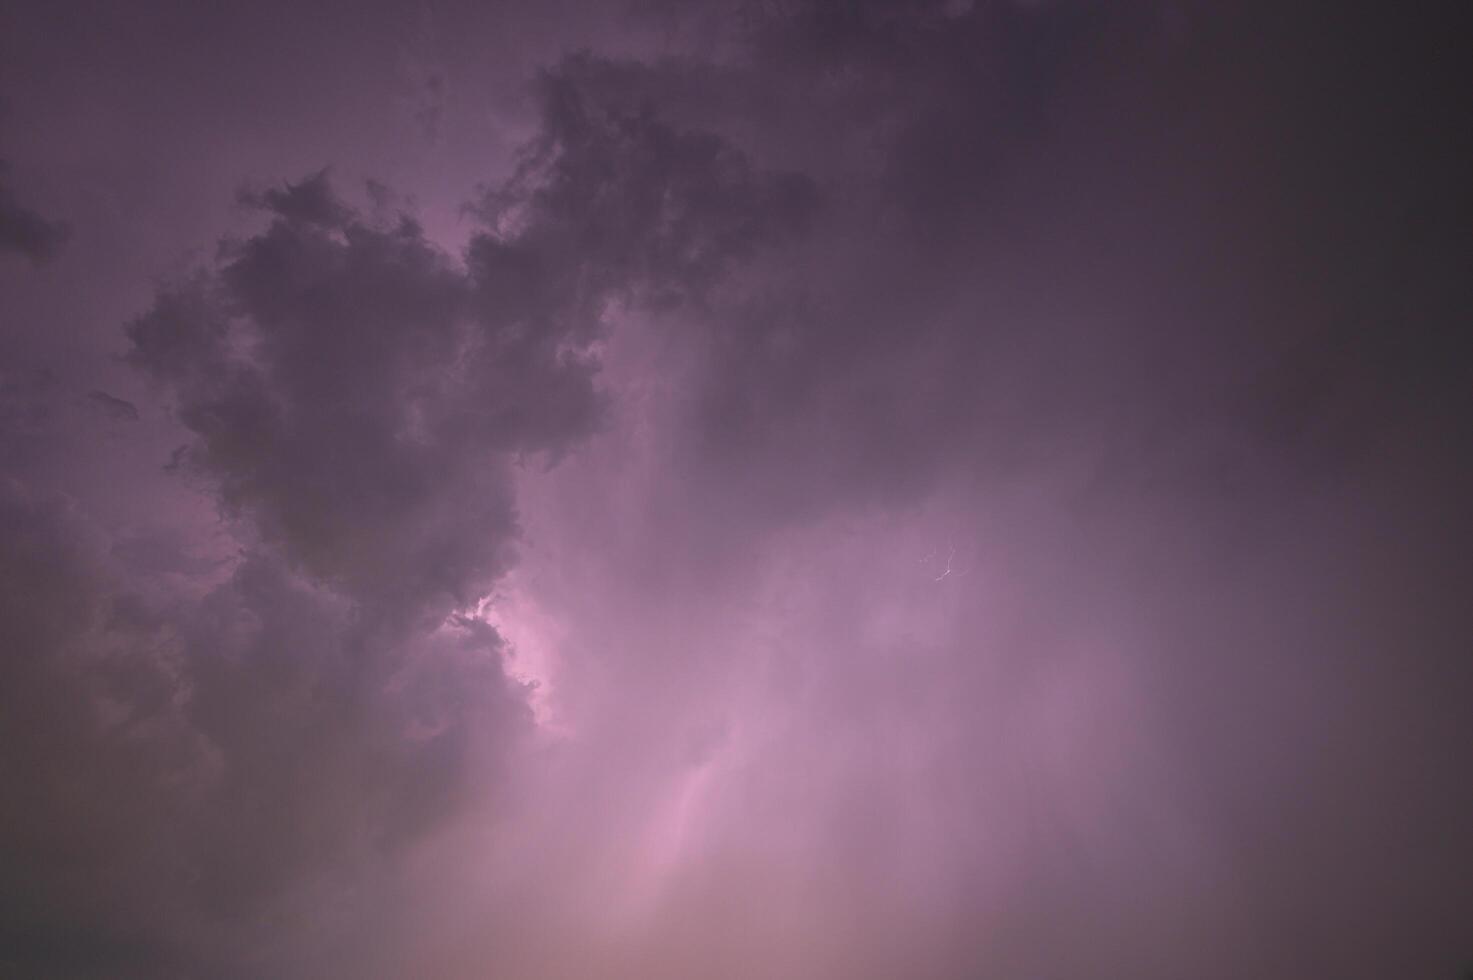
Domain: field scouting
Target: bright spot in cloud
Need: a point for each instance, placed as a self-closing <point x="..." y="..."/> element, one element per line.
<point x="532" y="637"/>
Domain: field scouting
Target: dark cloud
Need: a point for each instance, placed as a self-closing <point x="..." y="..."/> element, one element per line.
<point x="186" y="764"/>
<point x="340" y="375"/>
<point x="340" y="399"/>
<point x="25" y="231"/>
<point x="310" y="201"/>
<point x="640" y="201"/>
<point x="93" y="738"/>
<point x="1130" y="218"/>
<point x="203" y="751"/>
<point x="113" y="407"/>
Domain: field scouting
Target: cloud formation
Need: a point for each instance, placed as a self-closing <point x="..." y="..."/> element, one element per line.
<point x="919" y="489"/>
<point x="358" y="403"/>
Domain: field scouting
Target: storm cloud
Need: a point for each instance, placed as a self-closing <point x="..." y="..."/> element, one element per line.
<point x="811" y="489"/>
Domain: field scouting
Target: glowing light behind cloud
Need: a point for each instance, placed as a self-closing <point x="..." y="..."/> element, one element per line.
<point x="808" y="490"/>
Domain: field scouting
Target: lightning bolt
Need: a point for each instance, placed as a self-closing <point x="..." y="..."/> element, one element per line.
<point x="950" y="555"/>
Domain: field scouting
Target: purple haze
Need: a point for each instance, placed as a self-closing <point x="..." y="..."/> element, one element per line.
<point x="817" y="490"/>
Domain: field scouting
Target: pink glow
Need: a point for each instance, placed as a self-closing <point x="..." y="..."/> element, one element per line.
<point x="805" y="490"/>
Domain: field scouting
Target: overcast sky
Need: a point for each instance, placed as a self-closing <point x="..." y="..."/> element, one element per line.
<point x="753" y="489"/>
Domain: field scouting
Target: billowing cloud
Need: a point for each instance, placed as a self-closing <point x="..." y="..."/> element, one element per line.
<point x="207" y="752"/>
<point x="340" y="376"/>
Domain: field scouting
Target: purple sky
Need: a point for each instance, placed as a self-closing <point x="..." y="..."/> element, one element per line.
<point x="803" y="490"/>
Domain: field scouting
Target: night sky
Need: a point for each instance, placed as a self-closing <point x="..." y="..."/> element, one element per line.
<point x="740" y="490"/>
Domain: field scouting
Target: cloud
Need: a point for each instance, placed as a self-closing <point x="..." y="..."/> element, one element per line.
<point x="310" y="201"/>
<point x="113" y="407"/>
<point x="1133" y="315"/>
<point x="1020" y="269"/>
<point x="1062" y="311"/>
<point x="25" y="231"/>
<point x="220" y="761"/>
<point x="93" y="733"/>
<point x="656" y="213"/>
<point x="340" y="375"/>
<point x="196" y="762"/>
<point x="340" y="398"/>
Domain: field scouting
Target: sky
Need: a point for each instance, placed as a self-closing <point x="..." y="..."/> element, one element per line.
<point x="782" y="489"/>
